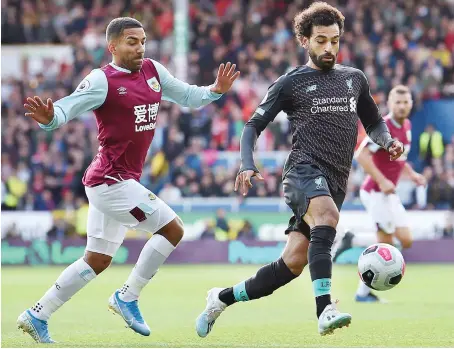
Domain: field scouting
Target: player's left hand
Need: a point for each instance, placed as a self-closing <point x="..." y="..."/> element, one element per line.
<point x="419" y="179"/>
<point x="243" y="180"/>
<point x="226" y="77"/>
<point x="396" y="150"/>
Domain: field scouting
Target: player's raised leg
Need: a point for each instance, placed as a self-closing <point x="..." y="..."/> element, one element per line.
<point x="97" y="258"/>
<point x="267" y="280"/>
<point x="322" y="216"/>
<point x="136" y="207"/>
<point x="124" y="301"/>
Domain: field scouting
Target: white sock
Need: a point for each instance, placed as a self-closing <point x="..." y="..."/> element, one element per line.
<point x="363" y="290"/>
<point x="70" y="281"/>
<point x="364" y="240"/>
<point x="153" y="255"/>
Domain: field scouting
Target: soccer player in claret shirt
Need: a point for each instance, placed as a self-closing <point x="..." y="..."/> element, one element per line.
<point x="323" y="101"/>
<point x="378" y="192"/>
<point x="125" y="96"/>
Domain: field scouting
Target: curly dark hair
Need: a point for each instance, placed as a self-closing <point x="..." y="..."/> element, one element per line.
<point x="319" y="13"/>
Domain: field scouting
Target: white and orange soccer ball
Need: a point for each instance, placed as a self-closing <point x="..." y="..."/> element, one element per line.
<point x="381" y="266"/>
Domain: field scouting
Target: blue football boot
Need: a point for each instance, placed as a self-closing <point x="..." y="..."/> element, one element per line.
<point x="130" y="312"/>
<point x="35" y="327"/>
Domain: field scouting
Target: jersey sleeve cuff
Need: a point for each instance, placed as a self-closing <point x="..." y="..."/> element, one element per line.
<point x="50" y="126"/>
<point x="213" y="95"/>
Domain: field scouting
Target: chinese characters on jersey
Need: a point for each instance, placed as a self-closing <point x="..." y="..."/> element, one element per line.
<point x="146" y="116"/>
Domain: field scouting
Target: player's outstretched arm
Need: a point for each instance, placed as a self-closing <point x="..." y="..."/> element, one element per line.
<point x="89" y="95"/>
<point x="39" y="111"/>
<point x="416" y="177"/>
<point x="276" y="98"/>
<point x="180" y="92"/>
<point x="364" y="158"/>
<point x="373" y="123"/>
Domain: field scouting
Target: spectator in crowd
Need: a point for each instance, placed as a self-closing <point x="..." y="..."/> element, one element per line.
<point x="430" y="145"/>
<point x="221" y="221"/>
<point x="247" y="232"/>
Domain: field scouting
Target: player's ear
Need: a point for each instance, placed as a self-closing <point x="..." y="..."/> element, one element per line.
<point x="111" y="46"/>
<point x="305" y="42"/>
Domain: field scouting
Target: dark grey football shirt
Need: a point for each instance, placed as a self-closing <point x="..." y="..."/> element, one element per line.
<point x="323" y="109"/>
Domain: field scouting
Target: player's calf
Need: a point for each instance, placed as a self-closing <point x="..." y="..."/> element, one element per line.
<point x="267" y="279"/>
<point x="404" y="236"/>
<point x="173" y="231"/>
<point x="97" y="261"/>
<point x="322" y="216"/>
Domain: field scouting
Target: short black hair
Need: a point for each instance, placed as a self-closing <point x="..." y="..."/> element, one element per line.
<point x="319" y="13"/>
<point x="118" y="25"/>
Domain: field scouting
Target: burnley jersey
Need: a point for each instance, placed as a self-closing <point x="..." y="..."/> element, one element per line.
<point x="392" y="170"/>
<point x="126" y="106"/>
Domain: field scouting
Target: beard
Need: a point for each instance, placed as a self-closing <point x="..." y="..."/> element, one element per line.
<point x="319" y="62"/>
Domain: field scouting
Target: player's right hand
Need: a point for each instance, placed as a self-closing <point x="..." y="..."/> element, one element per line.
<point x="387" y="187"/>
<point x="38" y="111"/>
<point x="243" y="180"/>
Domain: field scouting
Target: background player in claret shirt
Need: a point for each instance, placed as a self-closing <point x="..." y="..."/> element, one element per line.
<point x="125" y="97"/>
<point x="323" y="101"/>
<point x="378" y="192"/>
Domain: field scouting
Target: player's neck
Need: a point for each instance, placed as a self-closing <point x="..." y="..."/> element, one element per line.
<point x="117" y="64"/>
<point x="397" y="122"/>
<point x="311" y="64"/>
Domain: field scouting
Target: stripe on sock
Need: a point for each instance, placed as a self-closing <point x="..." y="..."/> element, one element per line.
<point x="322" y="286"/>
<point x="239" y="292"/>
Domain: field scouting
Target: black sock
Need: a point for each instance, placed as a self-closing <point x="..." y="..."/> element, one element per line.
<point x="320" y="264"/>
<point x="268" y="279"/>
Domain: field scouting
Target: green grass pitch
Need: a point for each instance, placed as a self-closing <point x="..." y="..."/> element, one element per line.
<point x="420" y="312"/>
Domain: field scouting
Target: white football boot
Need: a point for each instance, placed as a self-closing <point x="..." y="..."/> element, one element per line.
<point x="205" y="321"/>
<point x="331" y="319"/>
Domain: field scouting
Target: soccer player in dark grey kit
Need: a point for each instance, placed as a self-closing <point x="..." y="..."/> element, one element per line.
<point x="323" y="101"/>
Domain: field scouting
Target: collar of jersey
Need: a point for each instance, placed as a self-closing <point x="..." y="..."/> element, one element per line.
<point x="395" y="123"/>
<point x="119" y="68"/>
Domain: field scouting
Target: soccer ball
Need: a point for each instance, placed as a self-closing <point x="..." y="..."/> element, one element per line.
<point x="381" y="266"/>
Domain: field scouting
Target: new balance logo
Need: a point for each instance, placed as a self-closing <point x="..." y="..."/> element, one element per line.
<point x="122" y="90"/>
<point x="311" y="88"/>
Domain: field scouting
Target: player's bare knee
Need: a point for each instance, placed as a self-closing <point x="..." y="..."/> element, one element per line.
<point x="295" y="262"/>
<point x="173" y="231"/>
<point x="329" y="216"/>
<point x="97" y="261"/>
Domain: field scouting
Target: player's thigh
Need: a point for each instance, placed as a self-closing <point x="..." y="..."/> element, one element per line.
<point x="104" y="234"/>
<point x="379" y="209"/>
<point x="133" y="205"/>
<point x="307" y="193"/>
<point x="295" y="252"/>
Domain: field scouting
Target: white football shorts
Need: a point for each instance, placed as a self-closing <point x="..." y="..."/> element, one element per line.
<point x="387" y="211"/>
<point x="113" y="209"/>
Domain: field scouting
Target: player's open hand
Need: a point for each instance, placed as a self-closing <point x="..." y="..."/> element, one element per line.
<point x="419" y="179"/>
<point x="226" y="77"/>
<point x="243" y="180"/>
<point x="387" y="187"/>
<point x="38" y="111"/>
<point x="395" y="150"/>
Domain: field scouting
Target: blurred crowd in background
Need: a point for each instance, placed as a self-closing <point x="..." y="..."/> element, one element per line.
<point x="392" y="41"/>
